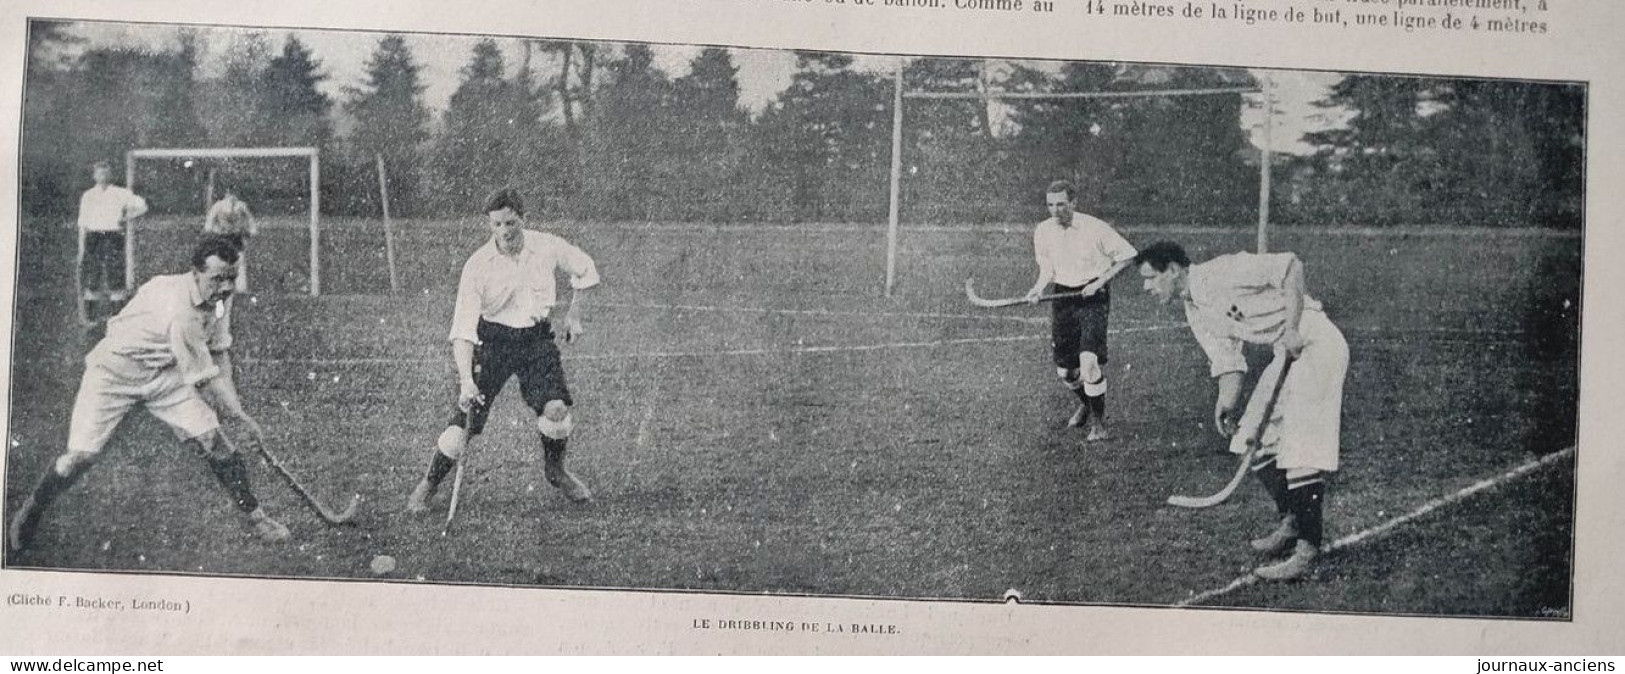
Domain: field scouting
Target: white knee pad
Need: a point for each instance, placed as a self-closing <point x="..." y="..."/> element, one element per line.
<point x="452" y="441"/>
<point x="555" y="429"/>
<point x="1092" y="375"/>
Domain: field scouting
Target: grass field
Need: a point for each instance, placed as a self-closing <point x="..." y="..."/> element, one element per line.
<point x="755" y="417"/>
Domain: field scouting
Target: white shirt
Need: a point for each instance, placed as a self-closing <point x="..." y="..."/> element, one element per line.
<point x="168" y="322"/>
<point x="1079" y="253"/>
<point x="1239" y="298"/>
<point x="517" y="291"/>
<point x="230" y="216"/>
<point x="102" y="209"/>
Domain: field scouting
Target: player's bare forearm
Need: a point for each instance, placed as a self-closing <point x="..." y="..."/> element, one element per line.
<point x="572" y="316"/>
<point x="1226" y="402"/>
<point x="577" y="299"/>
<point x="1046" y="273"/>
<point x="1229" y="394"/>
<point x="462" y="353"/>
<point x="223" y="387"/>
<point x="1103" y="279"/>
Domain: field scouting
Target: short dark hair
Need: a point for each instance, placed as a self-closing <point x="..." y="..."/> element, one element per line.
<point x="506" y="197"/>
<point x="1063" y="186"/>
<point x="213" y="246"/>
<point x="1161" y="254"/>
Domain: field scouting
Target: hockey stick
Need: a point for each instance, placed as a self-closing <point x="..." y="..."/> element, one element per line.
<point x="457" y="480"/>
<point x="978" y="300"/>
<point x="1253" y="438"/>
<point x="327" y="514"/>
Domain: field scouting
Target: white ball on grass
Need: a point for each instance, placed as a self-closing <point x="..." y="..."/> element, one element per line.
<point x="382" y="564"/>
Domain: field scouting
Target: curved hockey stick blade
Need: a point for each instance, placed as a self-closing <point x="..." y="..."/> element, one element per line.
<point x="344" y="517"/>
<point x="1223" y="494"/>
<point x="327" y="514"/>
<point x="978" y="300"/>
<point x="1254" y="439"/>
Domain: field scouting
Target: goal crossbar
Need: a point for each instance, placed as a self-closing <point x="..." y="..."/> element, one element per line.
<point x="1034" y="95"/>
<point x="313" y="154"/>
<point x="224" y="152"/>
<point x="899" y="96"/>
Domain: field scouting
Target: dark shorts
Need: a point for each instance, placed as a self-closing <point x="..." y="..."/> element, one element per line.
<point x="1078" y="325"/>
<point x="104" y="260"/>
<point x="504" y="352"/>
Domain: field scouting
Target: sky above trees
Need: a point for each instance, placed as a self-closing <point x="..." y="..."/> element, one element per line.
<point x="762" y="73"/>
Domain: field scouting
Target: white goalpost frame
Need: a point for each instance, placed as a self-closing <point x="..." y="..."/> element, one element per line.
<point x="313" y="154"/>
<point x="899" y="96"/>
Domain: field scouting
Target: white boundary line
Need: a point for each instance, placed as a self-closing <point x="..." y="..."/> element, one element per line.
<point x="824" y="312"/>
<point x="769" y="351"/>
<point x="1385" y="527"/>
<point x="794" y="350"/>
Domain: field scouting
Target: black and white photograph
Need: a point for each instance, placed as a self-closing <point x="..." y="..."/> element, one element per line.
<point x="524" y="312"/>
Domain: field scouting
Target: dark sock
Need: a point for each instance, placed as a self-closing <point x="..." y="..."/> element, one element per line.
<point x="438" y="467"/>
<point x="50" y="485"/>
<point x="1097" y="405"/>
<point x="233" y="474"/>
<point x="553" y="453"/>
<point x="1307" y="502"/>
<point x="1274" y="481"/>
<point x="1082" y="397"/>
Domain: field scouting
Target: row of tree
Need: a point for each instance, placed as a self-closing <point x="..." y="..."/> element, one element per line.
<point x="604" y="133"/>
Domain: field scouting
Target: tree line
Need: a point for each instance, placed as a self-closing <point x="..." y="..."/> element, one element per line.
<point x="600" y="132"/>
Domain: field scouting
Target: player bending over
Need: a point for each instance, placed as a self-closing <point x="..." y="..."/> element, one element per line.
<point x="168" y="350"/>
<point x="1260" y="299"/>
<point x="1079" y="253"/>
<point x="499" y="329"/>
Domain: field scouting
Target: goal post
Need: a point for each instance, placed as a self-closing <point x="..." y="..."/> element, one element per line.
<point x="900" y="96"/>
<point x="311" y="153"/>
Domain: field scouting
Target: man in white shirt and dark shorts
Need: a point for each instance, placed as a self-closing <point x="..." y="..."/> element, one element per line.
<point x="103" y="211"/>
<point x="1077" y="253"/>
<point x="1261" y="299"/>
<point x="502" y="328"/>
<point x="168" y="351"/>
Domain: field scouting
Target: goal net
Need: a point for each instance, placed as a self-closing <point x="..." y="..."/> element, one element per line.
<point x="938" y="171"/>
<point x="280" y="186"/>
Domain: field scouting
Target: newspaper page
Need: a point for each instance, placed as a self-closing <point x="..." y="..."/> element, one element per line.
<point x="812" y="326"/>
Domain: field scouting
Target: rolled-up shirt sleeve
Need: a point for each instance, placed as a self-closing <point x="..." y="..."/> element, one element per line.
<point x="583" y="272"/>
<point x="1114" y="246"/>
<point x="465" y="318"/>
<point x="134" y="205"/>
